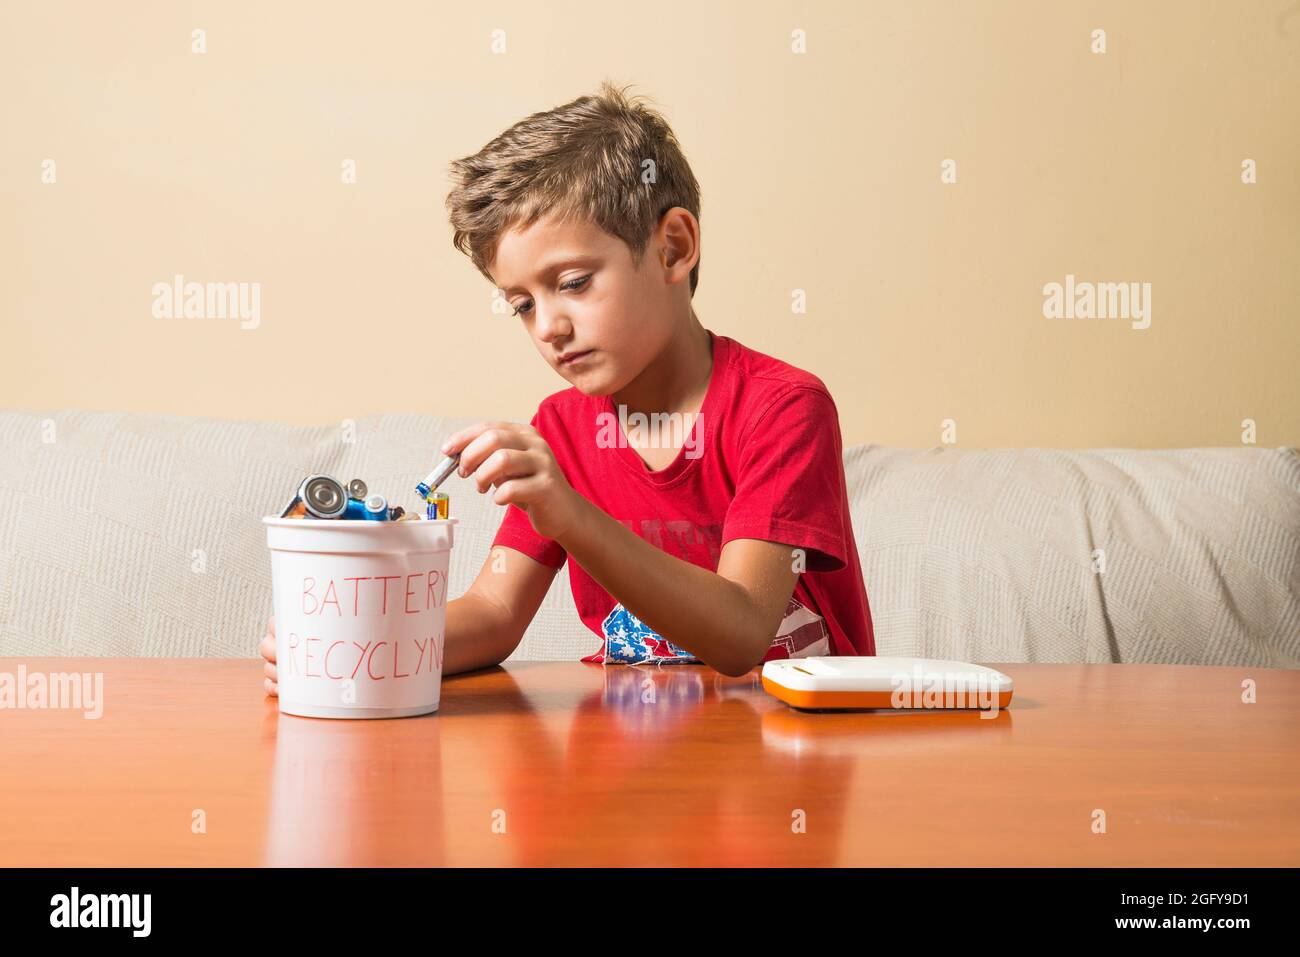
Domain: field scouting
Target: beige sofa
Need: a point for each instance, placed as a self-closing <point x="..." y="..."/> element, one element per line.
<point x="127" y="534"/>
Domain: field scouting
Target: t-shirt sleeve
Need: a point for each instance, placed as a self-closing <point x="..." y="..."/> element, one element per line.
<point x="790" y="481"/>
<point x="517" y="531"/>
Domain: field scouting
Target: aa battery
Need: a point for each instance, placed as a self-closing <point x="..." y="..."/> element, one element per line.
<point x="376" y="508"/>
<point x="438" y="476"/>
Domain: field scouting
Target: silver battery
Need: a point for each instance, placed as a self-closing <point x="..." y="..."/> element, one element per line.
<point x="323" y="496"/>
<point x="357" y="489"/>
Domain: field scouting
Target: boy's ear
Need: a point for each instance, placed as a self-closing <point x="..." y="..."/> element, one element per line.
<point x="669" y="257"/>
<point x="678" y="237"/>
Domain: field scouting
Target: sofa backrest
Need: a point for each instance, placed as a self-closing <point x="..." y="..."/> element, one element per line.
<point x="140" y="534"/>
<point x="1187" y="556"/>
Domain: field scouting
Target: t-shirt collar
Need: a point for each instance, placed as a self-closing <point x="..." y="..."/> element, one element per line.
<point x="704" y="422"/>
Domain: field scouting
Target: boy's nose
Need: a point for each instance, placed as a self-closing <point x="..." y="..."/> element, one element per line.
<point x="552" y="325"/>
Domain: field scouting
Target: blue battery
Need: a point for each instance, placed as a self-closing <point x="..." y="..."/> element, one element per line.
<point x="431" y="511"/>
<point x="356" y="509"/>
<point x="376" y="508"/>
<point x="423" y="490"/>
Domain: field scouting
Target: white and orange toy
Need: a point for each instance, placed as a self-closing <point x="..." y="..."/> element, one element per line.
<point x="869" y="681"/>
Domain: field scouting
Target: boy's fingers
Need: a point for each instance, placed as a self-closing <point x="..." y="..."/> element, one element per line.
<point x="501" y="465"/>
<point x="269" y="670"/>
<point x="476" y="453"/>
<point x="267" y="648"/>
<point x="458" y="440"/>
<point x="270" y="686"/>
<point x="516" y="491"/>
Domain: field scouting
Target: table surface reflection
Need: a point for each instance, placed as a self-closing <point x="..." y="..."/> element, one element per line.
<point x="566" y="763"/>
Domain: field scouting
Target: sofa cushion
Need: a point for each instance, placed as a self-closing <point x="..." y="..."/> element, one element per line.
<point x="1188" y="556"/>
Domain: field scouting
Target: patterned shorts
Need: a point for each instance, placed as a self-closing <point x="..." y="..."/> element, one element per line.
<point x="629" y="640"/>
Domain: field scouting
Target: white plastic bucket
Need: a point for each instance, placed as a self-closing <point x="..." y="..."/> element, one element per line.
<point x="360" y="615"/>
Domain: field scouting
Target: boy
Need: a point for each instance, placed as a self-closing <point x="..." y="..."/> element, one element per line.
<point x="717" y="529"/>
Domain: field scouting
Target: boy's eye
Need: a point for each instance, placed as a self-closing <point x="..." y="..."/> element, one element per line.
<point x="571" y="284"/>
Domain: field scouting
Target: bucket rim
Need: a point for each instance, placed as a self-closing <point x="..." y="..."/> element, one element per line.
<point x="278" y="522"/>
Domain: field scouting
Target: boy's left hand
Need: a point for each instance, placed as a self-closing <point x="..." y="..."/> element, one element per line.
<point x="517" y="460"/>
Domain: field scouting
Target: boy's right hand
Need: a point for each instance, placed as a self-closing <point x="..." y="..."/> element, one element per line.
<point x="520" y="464"/>
<point x="267" y="648"/>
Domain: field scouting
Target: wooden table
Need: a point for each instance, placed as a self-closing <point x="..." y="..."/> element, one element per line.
<point x="564" y="763"/>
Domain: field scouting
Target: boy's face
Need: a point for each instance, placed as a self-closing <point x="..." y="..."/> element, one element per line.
<point x="576" y="290"/>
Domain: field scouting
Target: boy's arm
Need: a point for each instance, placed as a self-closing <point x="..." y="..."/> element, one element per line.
<point x="726" y="619"/>
<point x="486" y="623"/>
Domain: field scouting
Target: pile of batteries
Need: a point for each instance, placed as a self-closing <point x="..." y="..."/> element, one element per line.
<point x="323" y="496"/>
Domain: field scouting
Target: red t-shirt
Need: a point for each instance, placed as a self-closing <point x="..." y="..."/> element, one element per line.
<point x="762" y="460"/>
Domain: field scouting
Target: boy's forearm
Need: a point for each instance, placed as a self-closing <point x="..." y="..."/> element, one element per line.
<point x="708" y="615"/>
<point x="477" y="635"/>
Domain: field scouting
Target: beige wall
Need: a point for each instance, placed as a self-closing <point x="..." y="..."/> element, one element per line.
<point x="820" y="172"/>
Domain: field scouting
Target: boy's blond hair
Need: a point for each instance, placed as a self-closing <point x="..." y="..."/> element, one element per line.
<point x="585" y="160"/>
